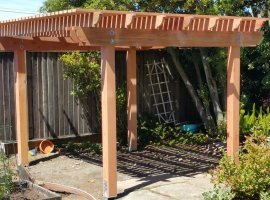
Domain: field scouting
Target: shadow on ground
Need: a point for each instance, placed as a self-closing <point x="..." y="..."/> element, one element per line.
<point x="154" y="164"/>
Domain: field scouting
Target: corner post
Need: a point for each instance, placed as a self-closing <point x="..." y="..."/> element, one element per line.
<point x="108" y="104"/>
<point x="21" y="101"/>
<point x="233" y="101"/>
<point x="131" y="99"/>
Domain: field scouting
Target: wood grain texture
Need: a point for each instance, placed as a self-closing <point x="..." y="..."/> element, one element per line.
<point x="132" y="99"/>
<point x="108" y="105"/>
<point x="233" y="101"/>
<point x="152" y="38"/>
<point x="22" y="123"/>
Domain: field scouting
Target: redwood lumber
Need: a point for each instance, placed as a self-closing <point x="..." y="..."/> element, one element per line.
<point x="143" y="38"/>
<point x="21" y="101"/>
<point x="108" y="104"/>
<point x="233" y="101"/>
<point x="132" y="99"/>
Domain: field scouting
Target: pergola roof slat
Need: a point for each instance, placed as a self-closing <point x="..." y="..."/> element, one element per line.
<point x="59" y="24"/>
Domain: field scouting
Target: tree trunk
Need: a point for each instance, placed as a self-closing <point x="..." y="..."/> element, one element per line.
<point x="207" y="120"/>
<point x="212" y="88"/>
<point x="198" y="73"/>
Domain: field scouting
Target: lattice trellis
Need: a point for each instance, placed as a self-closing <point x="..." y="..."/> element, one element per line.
<point x="159" y="83"/>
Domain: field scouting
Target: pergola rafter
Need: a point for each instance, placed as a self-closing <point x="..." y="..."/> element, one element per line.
<point x="118" y="28"/>
<point x="83" y="29"/>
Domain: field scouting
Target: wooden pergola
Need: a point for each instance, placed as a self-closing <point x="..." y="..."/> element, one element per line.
<point x="107" y="31"/>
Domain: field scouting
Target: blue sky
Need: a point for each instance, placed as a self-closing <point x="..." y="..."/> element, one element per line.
<point x="10" y="9"/>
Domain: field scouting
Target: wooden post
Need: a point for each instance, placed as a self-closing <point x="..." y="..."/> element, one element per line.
<point x="131" y="99"/>
<point x="22" y="130"/>
<point x="108" y="103"/>
<point x="233" y="101"/>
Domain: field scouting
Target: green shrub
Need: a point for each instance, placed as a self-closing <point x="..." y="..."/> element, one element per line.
<point x="256" y="122"/>
<point x="219" y="193"/>
<point x="84" y="70"/>
<point x="121" y="114"/>
<point x="265" y="195"/>
<point x="250" y="178"/>
<point x="222" y="130"/>
<point x="152" y="132"/>
<point x="84" y="147"/>
<point x="6" y="184"/>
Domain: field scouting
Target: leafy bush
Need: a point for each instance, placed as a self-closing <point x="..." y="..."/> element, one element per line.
<point x="255" y="122"/>
<point x="222" y="130"/>
<point x="152" y="132"/>
<point x="84" y="147"/>
<point x="219" y="193"/>
<point x="121" y="114"/>
<point x="6" y="184"/>
<point x="84" y="70"/>
<point x="250" y="178"/>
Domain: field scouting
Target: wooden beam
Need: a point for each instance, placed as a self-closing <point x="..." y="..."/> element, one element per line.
<point x="129" y="19"/>
<point x="187" y="22"/>
<point x="233" y="101"/>
<point x="22" y="129"/>
<point x="236" y="24"/>
<point x="132" y="99"/>
<point x="41" y="44"/>
<point x="9" y="148"/>
<point x="212" y="22"/>
<point x="108" y="105"/>
<point x="159" y="21"/>
<point x="54" y="44"/>
<point x="129" y="37"/>
<point x="96" y="18"/>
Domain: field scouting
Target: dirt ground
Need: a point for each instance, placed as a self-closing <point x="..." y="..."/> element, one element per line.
<point x="23" y="193"/>
<point x="136" y="170"/>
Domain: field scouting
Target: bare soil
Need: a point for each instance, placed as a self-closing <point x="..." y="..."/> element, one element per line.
<point x="24" y="193"/>
<point x="151" y="165"/>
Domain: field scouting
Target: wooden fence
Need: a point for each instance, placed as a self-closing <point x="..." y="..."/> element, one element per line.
<point x="54" y="113"/>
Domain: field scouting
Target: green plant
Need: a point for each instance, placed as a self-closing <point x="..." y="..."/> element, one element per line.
<point x="121" y="114"/>
<point x="219" y="193"/>
<point x="250" y="178"/>
<point x="222" y="130"/>
<point x="265" y="195"/>
<point x="152" y="132"/>
<point x="6" y="184"/>
<point x="256" y="122"/>
<point x="84" y="70"/>
<point x="84" y="147"/>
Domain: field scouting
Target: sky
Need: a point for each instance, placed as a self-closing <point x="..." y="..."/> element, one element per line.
<point x="10" y="9"/>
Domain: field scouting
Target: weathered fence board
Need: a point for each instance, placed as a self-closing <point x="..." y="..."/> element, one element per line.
<point x="7" y="103"/>
<point x="54" y="113"/>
